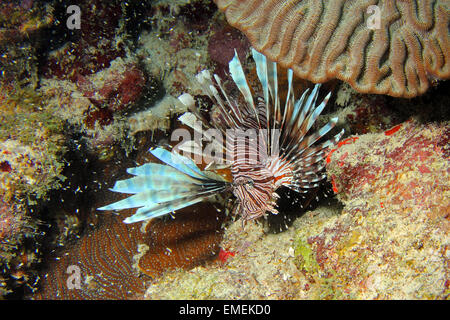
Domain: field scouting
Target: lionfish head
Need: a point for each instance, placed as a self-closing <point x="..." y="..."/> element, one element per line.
<point x="267" y="144"/>
<point x="255" y="193"/>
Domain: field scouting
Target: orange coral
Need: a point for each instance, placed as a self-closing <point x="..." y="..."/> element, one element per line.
<point x="322" y="40"/>
<point x="116" y="260"/>
<point x="184" y="242"/>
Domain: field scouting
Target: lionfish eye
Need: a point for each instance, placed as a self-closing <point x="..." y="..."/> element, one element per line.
<point x="244" y="181"/>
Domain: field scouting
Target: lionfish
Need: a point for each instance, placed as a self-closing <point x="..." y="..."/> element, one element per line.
<point x="279" y="154"/>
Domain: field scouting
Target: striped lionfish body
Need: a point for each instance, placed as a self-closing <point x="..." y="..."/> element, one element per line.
<point x="267" y="145"/>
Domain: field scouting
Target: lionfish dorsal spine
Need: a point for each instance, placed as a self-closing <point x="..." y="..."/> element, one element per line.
<point x="238" y="76"/>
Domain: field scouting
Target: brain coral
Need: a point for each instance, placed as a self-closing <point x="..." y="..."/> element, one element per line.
<point x="385" y="47"/>
<point x="115" y="260"/>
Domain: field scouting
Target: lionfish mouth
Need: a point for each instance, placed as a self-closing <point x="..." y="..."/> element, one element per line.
<point x="267" y="145"/>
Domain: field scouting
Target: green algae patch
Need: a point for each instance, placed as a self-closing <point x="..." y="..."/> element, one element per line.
<point x="306" y="260"/>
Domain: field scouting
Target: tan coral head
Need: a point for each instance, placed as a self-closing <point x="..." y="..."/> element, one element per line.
<point x="387" y="47"/>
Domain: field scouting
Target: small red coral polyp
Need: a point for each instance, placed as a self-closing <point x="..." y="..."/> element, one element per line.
<point x="224" y="255"/>
<point x="340" y="144"/>
<point x="5" y="166"/>
<point x="392" y="130"/>
<point x="333" y="183"/>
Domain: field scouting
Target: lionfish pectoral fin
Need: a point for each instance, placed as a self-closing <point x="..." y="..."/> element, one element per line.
<point x="159" y="209"/>
<point x="163" y="177"/>
<point x="178" y="162"/>
<point x="146" y="213"/>
<point x="159" y="189"/>
<point x="151" y="196"/>
<point x="147" y="193"/>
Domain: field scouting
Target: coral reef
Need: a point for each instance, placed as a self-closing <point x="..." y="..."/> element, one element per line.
<point x="92" y="47"/>
<point x="117" y="260"/>
<point x="395" y="48"/>
<point x="389" y="242"/>
<point x="31" y="143"/>
<point x="31" y="150"/>
<point x="262" y="268"/>
<point x="114" y="88"/>
<point x="79" y="106"/>
<point x="174" y="61"/>
<point x="92" y="81"/>
<point x="95" y="93"/>
<point x="392" y="237"/>
<point x="107" y="87"/>
<point x="21" y="25"/>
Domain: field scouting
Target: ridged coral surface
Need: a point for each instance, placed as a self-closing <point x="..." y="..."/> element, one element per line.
<point x="116" y="260"/>
<point x="322" y="40"/>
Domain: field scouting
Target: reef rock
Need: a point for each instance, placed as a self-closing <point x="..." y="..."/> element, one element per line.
<point x="391" y="240"/>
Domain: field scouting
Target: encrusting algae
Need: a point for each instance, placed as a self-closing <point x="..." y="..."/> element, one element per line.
<point x="31" y="143"/>
<point x="32" y="146"/>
